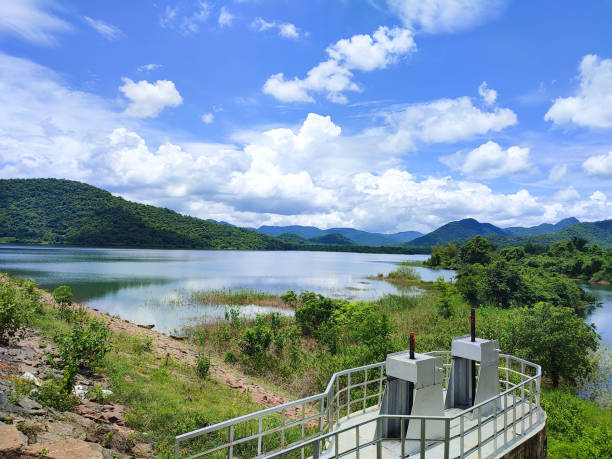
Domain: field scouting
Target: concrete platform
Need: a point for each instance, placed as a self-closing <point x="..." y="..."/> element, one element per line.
<point x="506" y="437"/>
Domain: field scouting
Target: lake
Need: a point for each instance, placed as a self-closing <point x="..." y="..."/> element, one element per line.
<point x="142" y="285"/>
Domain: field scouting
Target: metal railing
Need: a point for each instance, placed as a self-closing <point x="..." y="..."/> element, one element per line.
<point x="316" y="425"/>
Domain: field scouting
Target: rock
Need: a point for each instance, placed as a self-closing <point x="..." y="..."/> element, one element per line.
<point x="30" y="405"/>
<point x="65" y="449"/>
<point x="149" y="327"/>
<point x="11" y="441"/>
<point x="79" y="391"/>
<point x="65" y="429"/>
<point x="178" y="338"/>
<point x="27" y="376"/>
<point x="128" y="379"/>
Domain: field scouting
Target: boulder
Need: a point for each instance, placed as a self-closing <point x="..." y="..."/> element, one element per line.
<point x="11" y="441"/>
<point x="65" y="449"/>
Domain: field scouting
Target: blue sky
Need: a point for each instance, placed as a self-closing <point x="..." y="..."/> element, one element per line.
<point x="384" y="115"/>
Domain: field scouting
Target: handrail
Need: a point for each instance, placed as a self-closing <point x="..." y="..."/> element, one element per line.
<point x="335" y="400"/>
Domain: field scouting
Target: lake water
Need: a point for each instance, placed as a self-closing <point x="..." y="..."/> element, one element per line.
<point x="141" y="285"/>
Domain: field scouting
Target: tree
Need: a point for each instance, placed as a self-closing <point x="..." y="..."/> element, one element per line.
<point x="558" y="340"/>
<point x="476" y="250"/>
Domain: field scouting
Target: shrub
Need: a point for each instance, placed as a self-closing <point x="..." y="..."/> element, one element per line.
<point x="203" y="367"/>
<point x="16" y="310"/>
<point x="315" y="311"/>
<point x="54" y="393"/>
<point x="85" y="346"/>
<point x="230" y="357"/>
<point x="256" y="340"/>
<point x="141" y="343"/>
<point x="62" y="294"/>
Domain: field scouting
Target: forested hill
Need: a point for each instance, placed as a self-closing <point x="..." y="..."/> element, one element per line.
<point x="66" y="212"/>
<point x="462" y="229"/>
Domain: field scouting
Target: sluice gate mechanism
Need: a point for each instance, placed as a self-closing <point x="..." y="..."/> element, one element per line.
<point x="469" y="402"/>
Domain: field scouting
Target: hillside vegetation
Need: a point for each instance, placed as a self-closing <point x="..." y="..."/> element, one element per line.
<point x="452" y="231"/>
<point x="55" y="211"/>
<point x="356" y="236"/>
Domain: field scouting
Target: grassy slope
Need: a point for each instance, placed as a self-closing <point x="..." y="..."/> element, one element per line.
<point x="67" y="212"/>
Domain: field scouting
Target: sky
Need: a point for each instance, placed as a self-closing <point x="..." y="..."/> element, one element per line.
<point x="382" y="115"/>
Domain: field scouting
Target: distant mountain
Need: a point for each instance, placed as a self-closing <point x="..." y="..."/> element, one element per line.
<point x="66" y="212"/>
<point x="544" y="228"/>
<point x="332" y="238"/>
<point x="599" y="232"/>
<point x="357" y="236"/>
<point x="452" y="231"/>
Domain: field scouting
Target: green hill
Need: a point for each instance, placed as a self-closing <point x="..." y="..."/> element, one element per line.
<point x="544" y="228"/>
<point x="462" y="229"/>
<point x="333" y="238"/>
<point x="356" y="236"/>
<point x="594" y="232"/>
<point x="56" y="211"/>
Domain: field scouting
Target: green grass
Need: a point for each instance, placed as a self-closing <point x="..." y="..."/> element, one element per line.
<point x="229" y="296"/>
<point x="576" y="427"/>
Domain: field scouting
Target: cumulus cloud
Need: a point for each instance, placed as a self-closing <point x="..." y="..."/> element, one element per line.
<point x="284" y="29"/>
<point x="147" y="100"/>
<point x="31" y="20"/>
<point x="591" y="106"/>
<point x="567" y="194"/>
<point x="310" y="173"/>
<point x="225" y="17"/>
<point x="490" y="160"/>
<point x="208" y="118"/>
<point x="599" y="165"/>
<point x="488" y="95"/>
<point x="108" y="31"/>
<point x="334" y="76"/>
<point x="443" y="120"/>
<point x="439" y="16"/>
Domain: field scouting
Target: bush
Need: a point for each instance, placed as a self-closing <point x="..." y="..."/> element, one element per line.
<point x="230" y="357"/>
<point x="84" y="348"/>
<point x="62" y="295"/>
<point x="256" y="340"/>
<point x="54" y="393"/>
<point x="203" y="367"/>
<point x="315" y="311"/>
<point x="16" y="310"/>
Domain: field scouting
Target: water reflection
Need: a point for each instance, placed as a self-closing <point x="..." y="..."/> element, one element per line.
<point x="138" y="284"/>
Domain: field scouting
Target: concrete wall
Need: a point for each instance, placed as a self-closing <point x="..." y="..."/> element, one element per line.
<point x="532" y="448"/>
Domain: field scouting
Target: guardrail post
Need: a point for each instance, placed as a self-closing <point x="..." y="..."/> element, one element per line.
<point x="403" y="436"/>
<point x="446" y="438"/>
<point x="422" y="453"/>
<point x="176" y="449"/>
<point x="315" y="450"/>
<point x="379" y="438"/>
<point x="230" y="450"/>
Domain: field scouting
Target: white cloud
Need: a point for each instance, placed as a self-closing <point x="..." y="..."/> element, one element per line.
<point x="567" y="194"/>
<point x="225" y="17"/>
<point x="108" y="31"/>
<point x="599" y="165"/>
<point x="490" y="160"/>
<point x="438" y="16"/>
<point x="31" y="20"/>
<point x="149" y="67"/>
<point x="334" y="77"/>
<point x="311" y="173"/>
<point x="149" y="99"/>
<point x="285" y="29"/>
<point x="592" y="104"/>
<point x="443" y="120"/>
<point x="188" y="22"/>
<point x="488" y="95"/>
<point x="208" y="118"/>
<point x="557" y="172"/>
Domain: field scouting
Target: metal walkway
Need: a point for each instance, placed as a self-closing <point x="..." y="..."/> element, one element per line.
<point x="343" y="420"/>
